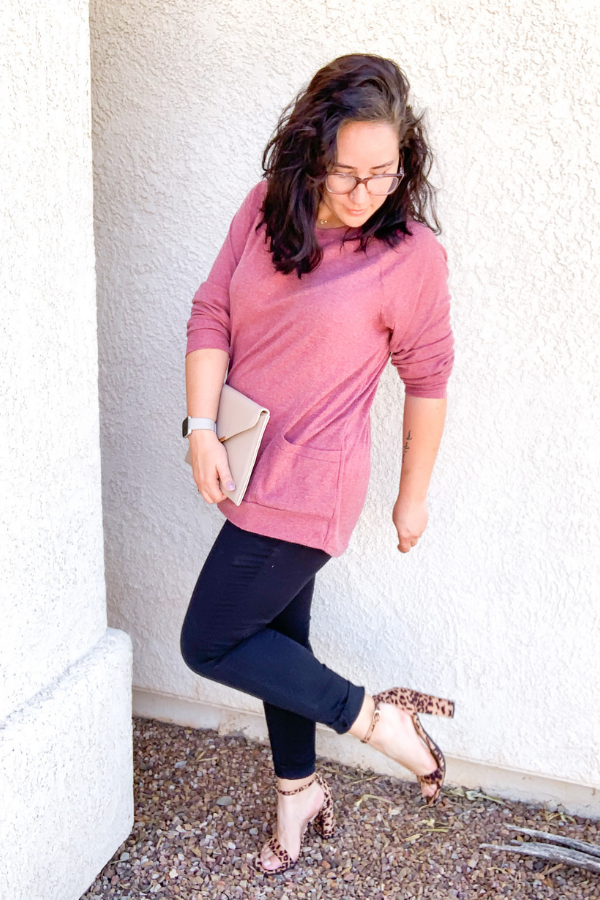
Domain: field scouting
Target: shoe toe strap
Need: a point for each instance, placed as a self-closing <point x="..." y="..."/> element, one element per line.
<point x="431" y="777"/>
<point x="280" y="852"/>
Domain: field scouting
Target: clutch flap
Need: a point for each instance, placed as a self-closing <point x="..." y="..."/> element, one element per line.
<point x="236" y="413"/>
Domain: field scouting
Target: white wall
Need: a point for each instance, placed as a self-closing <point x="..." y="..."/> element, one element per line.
<point x="498" y="606"/>
<point x="65" y="731"/>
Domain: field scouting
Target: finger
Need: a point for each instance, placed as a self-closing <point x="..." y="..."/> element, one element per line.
<point x="210" y="491"/>
<point x="216" y="495"/>
<point x="225" y="476"/>
<point x="211" y="498"/>
<point x="205" y="494"/>
<point x="407" y="542"/>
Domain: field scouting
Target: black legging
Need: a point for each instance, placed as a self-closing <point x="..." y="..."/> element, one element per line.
<point x="247" y="627"/>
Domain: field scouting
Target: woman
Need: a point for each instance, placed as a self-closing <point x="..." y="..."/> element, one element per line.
<point x="329" y="267"/>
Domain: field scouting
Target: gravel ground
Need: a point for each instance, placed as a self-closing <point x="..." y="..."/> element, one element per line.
<point x="204" y="805"/>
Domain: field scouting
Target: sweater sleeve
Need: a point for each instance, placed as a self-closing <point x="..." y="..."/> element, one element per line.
<point x="417" y="313"/>
<point x="209" y="324"/>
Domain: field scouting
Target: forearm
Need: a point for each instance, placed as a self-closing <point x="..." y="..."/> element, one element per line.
<point x="204" y="376"/>
<point x="421" y="436"/>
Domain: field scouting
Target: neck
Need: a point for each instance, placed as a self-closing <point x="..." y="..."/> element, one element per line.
<point x="327" y="218"/>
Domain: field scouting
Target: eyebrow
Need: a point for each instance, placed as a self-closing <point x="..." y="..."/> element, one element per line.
<point x="380" y="166"/>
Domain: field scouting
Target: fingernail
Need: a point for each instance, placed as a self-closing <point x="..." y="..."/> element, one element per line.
<point x="230" y="486"/>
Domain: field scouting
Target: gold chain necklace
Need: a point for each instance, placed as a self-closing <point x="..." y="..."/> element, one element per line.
<point x="322" y="221"/>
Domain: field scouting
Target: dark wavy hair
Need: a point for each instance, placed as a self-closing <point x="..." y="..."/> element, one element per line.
<point x="352" y="88"/>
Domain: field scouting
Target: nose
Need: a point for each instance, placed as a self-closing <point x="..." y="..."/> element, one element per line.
<point x="360" y="196"/>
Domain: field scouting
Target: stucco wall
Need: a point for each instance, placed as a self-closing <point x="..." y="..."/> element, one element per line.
<point x="498" y="606"/>
<point x="65" y="684"/>
<point x="66" y="775"/>
<point x="52" y="518"/>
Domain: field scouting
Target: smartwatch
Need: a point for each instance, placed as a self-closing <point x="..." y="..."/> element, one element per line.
<point x="190" y="424"/>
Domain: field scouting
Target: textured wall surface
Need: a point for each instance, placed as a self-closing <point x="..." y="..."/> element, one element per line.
<point x="51" y="526"/>
<point x="65" y="777"/>
<point x="65" y="740"/>
<point x="498" y="606"/>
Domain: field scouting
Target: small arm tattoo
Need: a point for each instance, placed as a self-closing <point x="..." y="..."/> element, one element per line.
<point x="406" y="448"/>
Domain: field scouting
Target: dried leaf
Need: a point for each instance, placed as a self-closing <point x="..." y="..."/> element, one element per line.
<point x="479" y="795"/>
<point x="367" y="778"/>
<point x="412" y="838"/>
<point x="358" y="802"/>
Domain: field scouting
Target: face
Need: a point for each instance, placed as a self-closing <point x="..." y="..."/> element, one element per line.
<point x="363" y="149"/>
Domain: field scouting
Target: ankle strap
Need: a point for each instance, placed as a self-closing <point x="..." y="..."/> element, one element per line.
<point x="297" y="790"/>
<point x="376" y="714"/>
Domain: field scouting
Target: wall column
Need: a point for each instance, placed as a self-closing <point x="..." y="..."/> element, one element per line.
<point x="65" y="695"/>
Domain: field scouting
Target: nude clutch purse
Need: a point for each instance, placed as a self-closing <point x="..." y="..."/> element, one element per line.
<point x="240" y="426"/>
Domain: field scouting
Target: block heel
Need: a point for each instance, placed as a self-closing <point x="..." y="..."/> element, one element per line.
<point x="324" y="821"/>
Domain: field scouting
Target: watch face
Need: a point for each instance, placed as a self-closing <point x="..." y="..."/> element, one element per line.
<point x="184" y="427"/>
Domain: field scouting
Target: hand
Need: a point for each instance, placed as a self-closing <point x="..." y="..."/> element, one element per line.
<point x="209" y="465"/>
<point x="410" y="518"/>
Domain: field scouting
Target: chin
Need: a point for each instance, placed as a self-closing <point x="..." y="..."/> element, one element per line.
<point x="356" y="221"/>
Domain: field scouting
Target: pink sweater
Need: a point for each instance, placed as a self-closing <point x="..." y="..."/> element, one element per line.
<point x="312" y="351"/>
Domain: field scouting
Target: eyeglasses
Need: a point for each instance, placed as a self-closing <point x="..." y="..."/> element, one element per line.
<point x="343" y="183"/>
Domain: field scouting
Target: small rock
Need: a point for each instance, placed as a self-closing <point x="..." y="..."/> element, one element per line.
<point x="373" y="864"/>
<point x="124" y="856"/>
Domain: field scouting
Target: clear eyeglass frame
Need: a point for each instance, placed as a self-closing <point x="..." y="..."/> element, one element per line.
<point x="395" y="176"/>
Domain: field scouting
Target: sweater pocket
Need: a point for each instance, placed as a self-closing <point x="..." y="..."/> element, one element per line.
<point x="296" y="477"/>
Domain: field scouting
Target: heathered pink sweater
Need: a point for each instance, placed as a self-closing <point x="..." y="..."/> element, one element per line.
<point x="312" y="351"/>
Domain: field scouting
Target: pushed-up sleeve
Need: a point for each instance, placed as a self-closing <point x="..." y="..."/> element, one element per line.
<point x="417" y="313"/>
<point x="209" y="324"/>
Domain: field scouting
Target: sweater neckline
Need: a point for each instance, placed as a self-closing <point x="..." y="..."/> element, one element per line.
<point x="336" y="231"/>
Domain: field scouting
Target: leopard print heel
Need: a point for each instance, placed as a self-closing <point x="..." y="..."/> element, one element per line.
<point x="323" y="823"/>
<point x="414" y="703"/>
